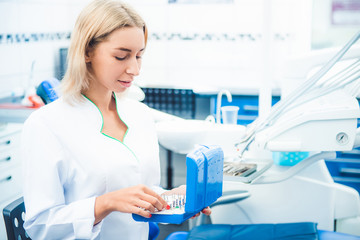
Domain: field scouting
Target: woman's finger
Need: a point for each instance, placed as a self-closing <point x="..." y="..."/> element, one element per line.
<point x="145" y="205"/>
<point x="153" y="201"/>
<point x="206" y="211"/>
<point x="156" y="199"/>
<point x="141" y="212"/>
<point x="179" y="190"/>
<point x="196" y="215"/>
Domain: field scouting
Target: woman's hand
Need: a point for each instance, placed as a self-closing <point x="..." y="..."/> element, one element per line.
<point x="179" y="191"/>
<point x="206" y="211"/>
<point x="138" y="199"/>
<point x="182" y="190"/>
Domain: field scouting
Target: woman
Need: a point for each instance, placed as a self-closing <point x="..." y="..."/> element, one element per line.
<point x="91" y="157"/>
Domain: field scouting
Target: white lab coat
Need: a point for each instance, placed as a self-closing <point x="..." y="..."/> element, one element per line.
<point x="68" y="162"/>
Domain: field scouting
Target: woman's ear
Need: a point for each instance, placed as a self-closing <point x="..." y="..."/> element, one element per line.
<point x="88" y="54"/>
<point x="87" y="58"/>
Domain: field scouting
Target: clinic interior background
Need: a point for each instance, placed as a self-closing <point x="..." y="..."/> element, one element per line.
<point x="196" y="44"/>
<point x="211" y="43"/>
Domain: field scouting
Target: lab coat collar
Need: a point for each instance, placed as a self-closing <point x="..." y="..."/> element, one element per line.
<point x="95" y="111"/>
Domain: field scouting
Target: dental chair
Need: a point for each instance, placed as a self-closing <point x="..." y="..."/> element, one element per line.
<point x="203" y="229"/>
<point x="287" y="231"/>
<point x="304" y="230"/>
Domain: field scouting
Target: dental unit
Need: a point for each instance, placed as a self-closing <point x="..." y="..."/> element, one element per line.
<point x="312" y="123"/>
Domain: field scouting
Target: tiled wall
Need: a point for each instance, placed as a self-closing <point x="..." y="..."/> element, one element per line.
<point x="190" y="44"/>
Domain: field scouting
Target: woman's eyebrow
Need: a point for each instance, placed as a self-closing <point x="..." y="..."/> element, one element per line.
<point x="128" y="50"/>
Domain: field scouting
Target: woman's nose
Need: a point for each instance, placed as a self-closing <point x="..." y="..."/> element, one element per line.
<point x="134" y="67"/>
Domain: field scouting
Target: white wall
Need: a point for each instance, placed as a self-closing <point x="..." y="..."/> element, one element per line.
<point x="32" y="31"/>
<point x="231" y="56"/>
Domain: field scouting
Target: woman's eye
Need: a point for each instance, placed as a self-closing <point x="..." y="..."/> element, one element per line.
<point x="138" y="57"/>
<point x="120" y="58"/>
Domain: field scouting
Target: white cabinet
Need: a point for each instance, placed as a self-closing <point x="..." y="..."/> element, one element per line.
<point x="10" y="168"/>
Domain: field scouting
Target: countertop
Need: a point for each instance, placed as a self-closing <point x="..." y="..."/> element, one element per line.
<point x="12" y="112"/>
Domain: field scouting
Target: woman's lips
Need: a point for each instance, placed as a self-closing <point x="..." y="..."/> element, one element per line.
<point x="125" y="83"/>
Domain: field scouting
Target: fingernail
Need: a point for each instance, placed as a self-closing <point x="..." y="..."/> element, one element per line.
<point x="150" y="216"/>
<point x="168" y="207"/>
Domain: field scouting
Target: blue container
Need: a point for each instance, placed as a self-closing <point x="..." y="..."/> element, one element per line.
<point x="289" y="158"/>
<point x="204" y="181"/>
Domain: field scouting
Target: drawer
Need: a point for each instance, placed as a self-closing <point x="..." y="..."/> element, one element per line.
<point x="348" y="181"/>
<point x="344" y="167"/>
<point x="345" y="171"/>
<point x="10" y="141"/>
<point x="10" y="183"/>
<point x="355" y="153"/>
<point x="9" y="158"/>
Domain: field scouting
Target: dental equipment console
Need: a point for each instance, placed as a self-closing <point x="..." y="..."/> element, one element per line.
<point x="204" y="180"/>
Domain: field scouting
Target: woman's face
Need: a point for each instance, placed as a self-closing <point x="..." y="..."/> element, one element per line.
<point x="116" y="61"/>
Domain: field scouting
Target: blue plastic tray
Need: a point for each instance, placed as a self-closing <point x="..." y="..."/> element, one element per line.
<point x="204" y="181"/>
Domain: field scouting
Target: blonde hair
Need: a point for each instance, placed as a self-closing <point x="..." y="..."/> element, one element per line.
<point x="94" y="24"/>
